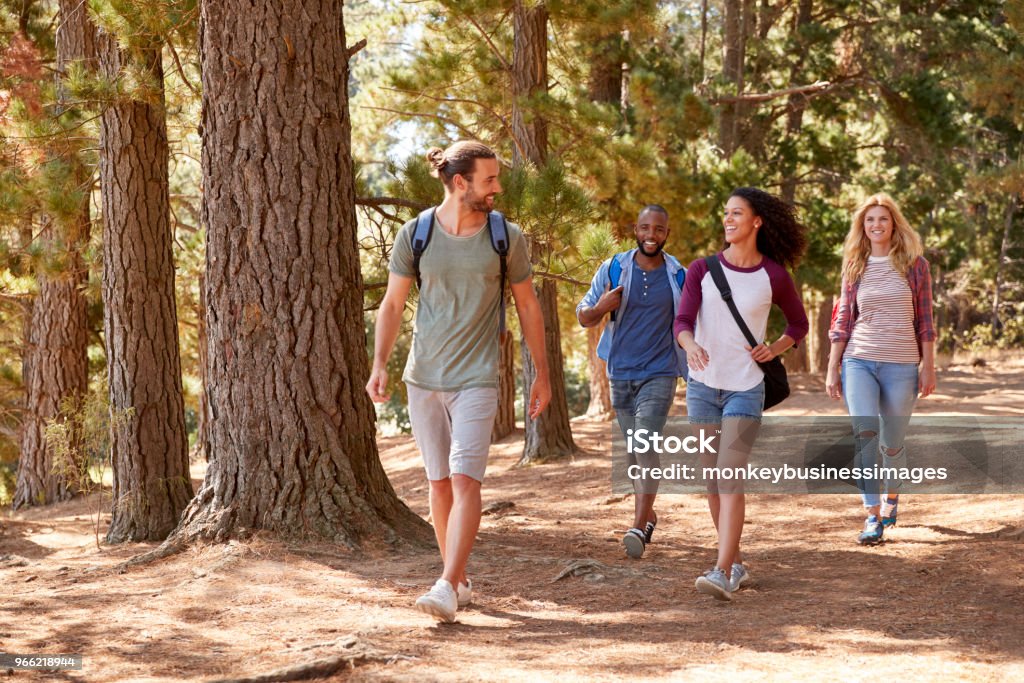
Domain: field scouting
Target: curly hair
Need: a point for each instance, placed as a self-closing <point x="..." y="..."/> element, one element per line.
<point x="906" y="243"/>
<point x="781" y="237"/>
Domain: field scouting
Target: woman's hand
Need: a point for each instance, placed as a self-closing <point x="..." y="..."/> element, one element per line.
<point x="762" y="353"/>
<point x="834" y="383"/>
<point x="926" y="381"/>
<point x="696" y="357"/>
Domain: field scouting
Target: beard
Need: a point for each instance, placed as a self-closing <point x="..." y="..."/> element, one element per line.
<point x="482" y="203"/>
<point x="643" y="249"/>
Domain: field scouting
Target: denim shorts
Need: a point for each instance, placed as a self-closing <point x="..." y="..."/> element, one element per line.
<point x="707" y="405"/>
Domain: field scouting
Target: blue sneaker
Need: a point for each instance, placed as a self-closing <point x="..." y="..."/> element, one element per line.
<point x="738" y="576"/>
<point x="873" y="530"/>
<point x="715" y="584"/>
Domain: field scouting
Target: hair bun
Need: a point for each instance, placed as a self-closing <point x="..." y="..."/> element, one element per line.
<point x="435" y="156"/>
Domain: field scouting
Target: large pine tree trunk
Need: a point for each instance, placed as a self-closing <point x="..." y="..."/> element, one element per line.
<point x="291" y="432"/>
<point x="550" y="436"/>
<point x="54" y="370"/>
<point x="55" y="360"/>
<point x="149" y="447"/>
<point x="529" y="79"/>
<point x="600" y="406"/>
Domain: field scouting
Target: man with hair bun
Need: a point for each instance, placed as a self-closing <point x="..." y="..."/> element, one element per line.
<point x="452" y="370"/>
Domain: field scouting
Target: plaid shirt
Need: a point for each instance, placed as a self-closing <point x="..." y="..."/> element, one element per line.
<point x="920" y="280"/>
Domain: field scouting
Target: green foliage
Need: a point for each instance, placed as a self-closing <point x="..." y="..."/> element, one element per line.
<point x="78" y="439"/>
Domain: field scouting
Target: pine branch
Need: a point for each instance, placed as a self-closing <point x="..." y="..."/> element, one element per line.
<point x="390" y="201"/>
<point x="775" y="94"/>
<point x="458" y="100"/>
<point x="181" y="70"/>
<point x="472" y="135"/>
<point x="494" y="48"/>
<point x="353" y="49"/>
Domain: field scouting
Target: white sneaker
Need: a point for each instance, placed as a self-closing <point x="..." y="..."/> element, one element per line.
<point x="440" y="601"/>
<point x="464" y="591"/>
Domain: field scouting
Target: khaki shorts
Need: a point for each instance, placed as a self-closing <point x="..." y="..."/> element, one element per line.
<point x="453" y="429"/>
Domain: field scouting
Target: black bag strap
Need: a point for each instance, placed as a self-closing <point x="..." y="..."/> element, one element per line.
<point x="718" y="275"/>
<point x="498" y="229"/>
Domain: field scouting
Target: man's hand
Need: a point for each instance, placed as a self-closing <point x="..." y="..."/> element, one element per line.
<point x="378" y="385"/>
<point x="610" y="300"/>
<point x="540" y="396"/>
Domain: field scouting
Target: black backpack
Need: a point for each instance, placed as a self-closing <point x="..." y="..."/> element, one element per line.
<point x="497" y="227"/>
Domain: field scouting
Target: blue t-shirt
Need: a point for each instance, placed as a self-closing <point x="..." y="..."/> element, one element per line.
<point x="643" y="346"/>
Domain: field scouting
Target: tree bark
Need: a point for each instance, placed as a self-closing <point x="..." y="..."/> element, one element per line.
<point x="600" y="406"/>
<point x="732" y="70"/>
<point x="149" y="446"/>
<point x="604" y="80"/>
<point x="292" y="433"/>
<point x="529" y="79"/>
<point x="549" y="436"/>
<point x="55" y="361"/>
<point x="505" y="420"/>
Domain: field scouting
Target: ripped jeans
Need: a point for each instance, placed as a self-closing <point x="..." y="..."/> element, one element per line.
<point x="880" y="397"/>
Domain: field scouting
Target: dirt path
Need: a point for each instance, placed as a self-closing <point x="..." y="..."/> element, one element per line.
<point x="941" y="600"/>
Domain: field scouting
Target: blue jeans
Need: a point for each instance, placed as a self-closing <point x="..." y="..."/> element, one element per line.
<point x="707" y="405"/>
<point x="880" y="397"/>
<point x="643" y="404"/>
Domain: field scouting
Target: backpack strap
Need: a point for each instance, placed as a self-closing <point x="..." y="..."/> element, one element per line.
<point x="498" y="229"/>
<point x="420" y="239"/>
<point x="680" y="278"/>
<point x="718" y="275"/>
<point x="614" y="275"/>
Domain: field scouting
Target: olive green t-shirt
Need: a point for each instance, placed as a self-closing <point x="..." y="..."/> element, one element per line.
<point x="455" y="333"/>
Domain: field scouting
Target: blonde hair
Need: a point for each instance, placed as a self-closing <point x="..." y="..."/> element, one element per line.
<point x="906" y="243"/>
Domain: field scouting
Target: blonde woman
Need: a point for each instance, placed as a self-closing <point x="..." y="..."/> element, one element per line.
<point x="883" y="347"/>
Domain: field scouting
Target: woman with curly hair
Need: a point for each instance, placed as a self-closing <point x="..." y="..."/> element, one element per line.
<point x="725" y="389"/>
<point x="883" y="347"/>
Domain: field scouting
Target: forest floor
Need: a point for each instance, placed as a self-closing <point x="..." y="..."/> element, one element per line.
<point x="943" y="598"/>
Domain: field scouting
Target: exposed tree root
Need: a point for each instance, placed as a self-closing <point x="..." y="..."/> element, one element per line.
<point x="319" y="668"/>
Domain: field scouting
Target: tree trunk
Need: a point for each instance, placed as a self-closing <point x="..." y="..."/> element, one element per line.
<point x="529" y="79"/>
<point x="505" y="420"/>
<point x="549" y="436"/>
<point x="55" y="369"/>
<point x="201" y="448"/>
<point x="292" y="434"/>
<point x="604" y="80"/>
<point x="600" y="406"/>
<point x="796" y="104"/>
<point x="1004" y="248"/>
<point x="820" y="330"/>
<point x="55" y="361"/>
<point x="149" y="446"/>
<point x="732" y="70"/>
